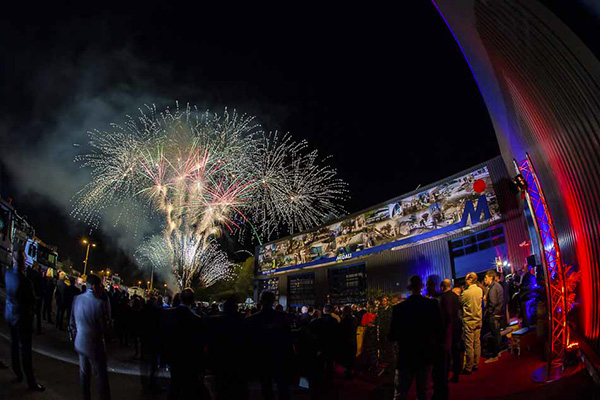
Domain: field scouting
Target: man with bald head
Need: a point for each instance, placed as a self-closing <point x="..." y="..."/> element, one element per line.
<point x="470" y="301"/>
<point x="450" y="305"/>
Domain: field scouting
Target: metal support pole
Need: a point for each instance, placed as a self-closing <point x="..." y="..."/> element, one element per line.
<point x="85" y="263"/>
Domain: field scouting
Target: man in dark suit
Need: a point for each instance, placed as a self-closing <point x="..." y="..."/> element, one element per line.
<point x="327" y="337"/>
<point x="35" y="276"/>
<point x="61" y="288"/>
<point x="70" y="292"/>
<point x="229" y="341"/>
<point x="48" y="296"/>
<point x="450" y="345"/>
<point x="150" y="340"/>
<point x="273" y="346"/>
<point x="494" y="312"/>
<point x="20" y="304"/>
<point x="416" y="327"/>
<point x="304" y="318"/>
<point x="183" y="349"/>
<point x="348" y="341"/>
<point x="451" y="309"/>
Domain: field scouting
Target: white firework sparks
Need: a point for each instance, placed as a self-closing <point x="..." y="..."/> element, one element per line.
<point x="293" y="188"/>
<point x="200" y="173"/>
<point x="191" y="262"/>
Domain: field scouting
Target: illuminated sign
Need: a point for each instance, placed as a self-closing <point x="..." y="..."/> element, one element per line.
<point x="463" y="201"/>
<point x="342" y="257"/>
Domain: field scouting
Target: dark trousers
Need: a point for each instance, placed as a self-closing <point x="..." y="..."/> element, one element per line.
<point x="321" y="375"/>
<point x="282" y="380"/>
<point x="148" y="365"/>
<point x="347" y="359"/>
<point x="85" y="376"/>
<point x="60" y="315"/>
<point x="406" y="374"/>
<point x="47" y="309"/>
<point x="231" y="386"/>
<point x="186" y="383"/>
<point x="68" y="312"/>
<point x="38" y="315"/>
<point x="457" y="357"/>
<point x="20" y="351"/>
<point x="494" y="324"/>
<point x="440" y="375"/>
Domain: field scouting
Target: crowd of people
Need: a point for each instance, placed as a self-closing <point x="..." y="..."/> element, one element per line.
<point x="437" y="336"/>
<point x="444" y="337"/>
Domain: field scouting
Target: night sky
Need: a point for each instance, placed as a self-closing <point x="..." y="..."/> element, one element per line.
<point x="386" y="93"/>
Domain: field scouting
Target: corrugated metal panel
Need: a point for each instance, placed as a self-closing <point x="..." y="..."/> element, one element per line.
<point x="515" y="226"/>
<point x="552" y="87"/>
<point x="542" y="87"/>
<point x="389" y="271"/>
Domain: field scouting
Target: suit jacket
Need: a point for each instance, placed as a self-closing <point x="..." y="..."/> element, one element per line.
<point x="61" y="287"/>
<point x="417" y="328"/>
<point x="20" y="299"/>
<point x="272" y="339"/>
<point x="38" y="282"/>
<point x="327" y="333"/>
<point x="90" y="319"/>
<point x="495" y="301"/>
<point x="183" y="338"/>
<point x="348" y="331"/>
<point x="70" y="293"/>
<point x="470" y="300"/>
<point x="49" y="287"/>
<point x="229" y="340"/>
<point x="450" y="306"/>
<point x="304" y="319"/>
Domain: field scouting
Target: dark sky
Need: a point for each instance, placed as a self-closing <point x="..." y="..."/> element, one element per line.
<point x="386" y="93"/>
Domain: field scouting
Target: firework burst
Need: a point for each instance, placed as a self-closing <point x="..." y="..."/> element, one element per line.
<point x="191" y="262"/>
<point x="199" y="173"/>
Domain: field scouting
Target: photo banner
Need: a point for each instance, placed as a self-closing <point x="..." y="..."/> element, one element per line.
<point x="467" y="200"/>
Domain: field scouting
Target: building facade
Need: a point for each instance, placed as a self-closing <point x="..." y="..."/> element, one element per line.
<point x="471" y="221"/>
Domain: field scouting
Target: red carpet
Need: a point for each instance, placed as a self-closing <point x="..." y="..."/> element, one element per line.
<point x="508" y="378"/>
<point x="509" y="375"/>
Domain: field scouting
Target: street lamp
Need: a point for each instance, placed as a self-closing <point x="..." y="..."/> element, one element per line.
<point x="87" y="253"/>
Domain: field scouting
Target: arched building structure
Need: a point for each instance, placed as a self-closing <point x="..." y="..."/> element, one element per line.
<point x="541" y="84"/>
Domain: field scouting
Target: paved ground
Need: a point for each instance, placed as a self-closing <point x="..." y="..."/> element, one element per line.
<point x="55" y="344"/>
<point x="55" y="366"/>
